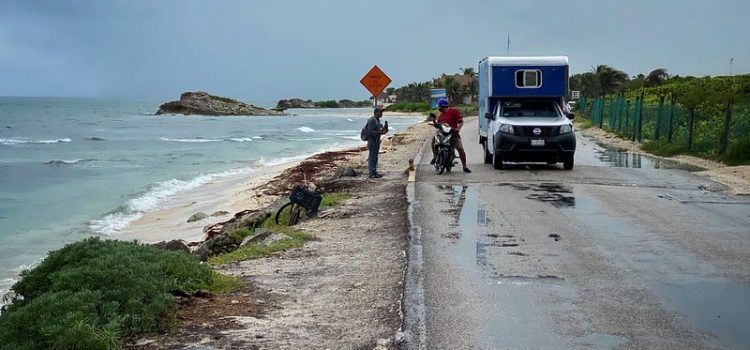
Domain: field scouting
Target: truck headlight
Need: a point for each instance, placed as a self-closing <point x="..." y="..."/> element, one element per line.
<point x="506" y="128"/>
<point x="566" y="129"/>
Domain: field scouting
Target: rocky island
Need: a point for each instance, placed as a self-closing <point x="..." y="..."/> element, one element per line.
<point x="203" y="103"/>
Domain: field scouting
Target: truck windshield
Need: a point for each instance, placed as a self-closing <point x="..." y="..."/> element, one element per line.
<point x="541" y="109"/>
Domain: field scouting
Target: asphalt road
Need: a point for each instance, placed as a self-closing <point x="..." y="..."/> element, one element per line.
<point x="622" y="252"/>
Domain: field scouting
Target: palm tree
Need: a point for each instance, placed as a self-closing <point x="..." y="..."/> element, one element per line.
<point x="609" y="79"/>
<point x="468" y="71"/>
<point x="656" y="77"/>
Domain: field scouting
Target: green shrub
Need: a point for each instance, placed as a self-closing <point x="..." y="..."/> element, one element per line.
<point x="738" y="152"/>
<point x="116" y="288"/>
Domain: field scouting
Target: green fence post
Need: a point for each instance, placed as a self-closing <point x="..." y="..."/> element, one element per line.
<point x="671" y="117"/>
<point x="725" y="132"/>
<point x="620" y="111"/>
<point x="581" y="109"/>
<point x="639" y="126"/>
<point x="626" y="132"/>
<point x="691" y="128"/>
<point x="659" y="113"/>
<point x="601" y="112"/>
<point x="610" y="120"/>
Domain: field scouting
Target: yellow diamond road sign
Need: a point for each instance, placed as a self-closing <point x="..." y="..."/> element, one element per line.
<point x="375" y="81"/>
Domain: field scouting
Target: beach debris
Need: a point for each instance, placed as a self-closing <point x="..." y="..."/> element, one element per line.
<point x="175" y="245"/>
<point x="197" y="217"/>
<point x="343" y="171"/>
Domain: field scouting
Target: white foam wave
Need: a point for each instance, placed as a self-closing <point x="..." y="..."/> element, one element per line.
<point x="311" y="139"/>
<point x="153" y="199"/>
<point x="356" y="138"/>
<point x="349" y="119"/>
<point x="196" y="140"/>
<point x="68" y="162"/>
<point x="17" y="141"/>
<point x="242" y="139"/>
<point x="306" y="129"/>
<point x="257" y="137"/>
<point x="278" y="161"/>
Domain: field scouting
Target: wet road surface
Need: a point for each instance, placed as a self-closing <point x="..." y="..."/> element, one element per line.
<point x="622" y="252"/>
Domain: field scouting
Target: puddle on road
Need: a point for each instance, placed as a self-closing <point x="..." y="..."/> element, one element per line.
<point x="721" y="308"/>
<point x="555" y="194"/>
<point x="624" y="159"/>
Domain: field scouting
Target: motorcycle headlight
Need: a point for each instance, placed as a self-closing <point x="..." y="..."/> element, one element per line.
<point x="446" y="128"/>
<point x="566" y="129"/>
<point x="506" y="128"/>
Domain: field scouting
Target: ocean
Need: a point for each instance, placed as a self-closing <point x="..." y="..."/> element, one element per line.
<point x="71" y="168"/>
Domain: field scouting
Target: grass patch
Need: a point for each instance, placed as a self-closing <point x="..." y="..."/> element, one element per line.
<point x="585" y="124"/>
<point x="95" y="294"/>
<point x="409" y="107"/>
<point x="223" y="284"/>
<point x="331" y="199"/>
<point x="663" y="148"/>
<point x="224" y="99"/>
<point x="239" y="235"/>
<point x="252" y="251"/>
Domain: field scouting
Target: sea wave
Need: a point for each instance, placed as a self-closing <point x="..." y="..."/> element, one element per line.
<point x="18" y="141"/>
<point x="278" y="161"/>
<point x="196" y="140"/>
<point x="306" y="129"/>
<point x="242" y="139"/>
<point x="68" y="162"/>
<point x="152" y="199"/>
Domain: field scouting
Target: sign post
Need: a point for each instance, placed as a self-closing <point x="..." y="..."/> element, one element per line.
<point x="375" y="81"/>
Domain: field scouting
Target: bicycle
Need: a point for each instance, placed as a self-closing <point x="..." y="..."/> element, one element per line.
<point x="301" y="203"/>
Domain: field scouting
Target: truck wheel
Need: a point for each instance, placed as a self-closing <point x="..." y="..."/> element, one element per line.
<point x="497" y="162"/>
<point x="487" y="154"/>
<point x="568" y="163"/>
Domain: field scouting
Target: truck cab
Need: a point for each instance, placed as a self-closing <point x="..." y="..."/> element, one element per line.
<point x="522" y="114"/>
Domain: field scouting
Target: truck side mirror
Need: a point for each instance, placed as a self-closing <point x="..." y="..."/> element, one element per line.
<point x="488" y="115"/>
<point x="570" y="116"/>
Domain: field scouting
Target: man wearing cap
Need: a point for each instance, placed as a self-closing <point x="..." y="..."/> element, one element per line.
<point x="452" y="117"/>
<point x="374" y="129"/>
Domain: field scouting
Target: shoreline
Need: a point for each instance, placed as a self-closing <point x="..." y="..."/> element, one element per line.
<point x="232" y="195"/>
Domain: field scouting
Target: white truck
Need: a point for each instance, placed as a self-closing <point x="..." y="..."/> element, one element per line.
<point x="521" y="111"/>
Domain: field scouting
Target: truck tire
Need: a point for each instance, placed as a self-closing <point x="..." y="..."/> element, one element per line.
<point x="568" y="163"/>
<point x="497" y="162"/>
<point x="487" y="154"/>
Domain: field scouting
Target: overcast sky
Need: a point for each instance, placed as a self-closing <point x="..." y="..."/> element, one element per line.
<point x="264" y="50"/>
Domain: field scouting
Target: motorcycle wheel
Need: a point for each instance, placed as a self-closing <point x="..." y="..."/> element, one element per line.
<point x="440" y="162"/>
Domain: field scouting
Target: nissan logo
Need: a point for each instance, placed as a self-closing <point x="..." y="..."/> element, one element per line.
<point x="537" y="131"/>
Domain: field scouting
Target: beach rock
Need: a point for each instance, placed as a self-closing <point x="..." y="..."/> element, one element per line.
<point x="220" y="213"/>
<point x="217" y="245"/>
<point x="295" y="103"/>
<point x="346" y="171"/>
<point x="203" y="103"/>
<point x="197" y="217"/>
<point x="175" y="244"/>
<point x="259" y="234"/>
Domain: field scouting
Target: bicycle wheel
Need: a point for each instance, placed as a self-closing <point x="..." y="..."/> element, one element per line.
<point x="289" y="214"/>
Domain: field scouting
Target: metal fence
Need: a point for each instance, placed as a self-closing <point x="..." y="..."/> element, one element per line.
<point x="706" y="131"/>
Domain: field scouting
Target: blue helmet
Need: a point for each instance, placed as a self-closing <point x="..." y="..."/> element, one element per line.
<point x="443" y="102"/>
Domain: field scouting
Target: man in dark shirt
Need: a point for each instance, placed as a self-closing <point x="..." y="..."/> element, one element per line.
<point x="374" y="129"/>
<point x="452" y="117"/>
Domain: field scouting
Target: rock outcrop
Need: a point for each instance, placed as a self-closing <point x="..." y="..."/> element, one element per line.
<point x="295" y="103"/>
<point x="202" y="103"/>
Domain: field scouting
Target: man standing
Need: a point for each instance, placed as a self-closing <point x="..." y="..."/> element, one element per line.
<point x="452" y="117"/>
<point x="374" y="129"/>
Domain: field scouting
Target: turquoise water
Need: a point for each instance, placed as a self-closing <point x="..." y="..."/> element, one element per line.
<point x="72" y="168"/>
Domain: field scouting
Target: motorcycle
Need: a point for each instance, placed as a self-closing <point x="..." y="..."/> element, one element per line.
<point x="444" y="155"/>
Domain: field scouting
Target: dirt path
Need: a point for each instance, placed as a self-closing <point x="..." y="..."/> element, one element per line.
<point x="340" y="291"/>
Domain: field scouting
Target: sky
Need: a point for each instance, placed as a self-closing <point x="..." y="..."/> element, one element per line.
<point x="265" y="50"/>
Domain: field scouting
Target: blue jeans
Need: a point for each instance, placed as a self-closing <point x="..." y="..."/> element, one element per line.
<point x="373" y="145"/>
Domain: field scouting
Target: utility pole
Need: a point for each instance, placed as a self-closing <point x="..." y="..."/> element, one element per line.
<point x="731" y="61"/>
<point x="508" y="43"/>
